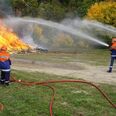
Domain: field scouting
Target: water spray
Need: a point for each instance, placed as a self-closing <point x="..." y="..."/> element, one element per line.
<point x="100" y="25"/>
<point x="60" y="27"/>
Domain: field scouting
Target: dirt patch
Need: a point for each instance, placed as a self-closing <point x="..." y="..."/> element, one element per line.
<point x="74" y="70"/>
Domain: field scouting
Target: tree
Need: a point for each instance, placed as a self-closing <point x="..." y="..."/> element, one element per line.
<point x="25" y="7"/>
<point x="64" y="2"/>
<point x="104" y="12"/>
<point x="51" y="11"/>
<point x="80" y="7"/>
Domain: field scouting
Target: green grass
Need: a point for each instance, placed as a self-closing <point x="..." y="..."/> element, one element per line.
<point x="95" y="56"/>
<point x="72" y="99"/>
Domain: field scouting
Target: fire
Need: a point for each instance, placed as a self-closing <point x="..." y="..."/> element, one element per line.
<point x="11" y="40"/>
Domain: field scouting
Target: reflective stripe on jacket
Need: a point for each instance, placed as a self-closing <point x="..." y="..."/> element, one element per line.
<point x="4" y="56"/>
<point x="5" y="70"/>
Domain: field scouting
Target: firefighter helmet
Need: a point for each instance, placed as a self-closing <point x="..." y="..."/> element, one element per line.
<point x="4" y="48"/>
<point x="113" y="39"/>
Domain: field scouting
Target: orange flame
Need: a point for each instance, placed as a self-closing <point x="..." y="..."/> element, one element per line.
<point x="11" y="40"/>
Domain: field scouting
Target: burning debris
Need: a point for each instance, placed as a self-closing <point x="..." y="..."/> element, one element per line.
<point x="38" y="49"/>
<point x="11" y="40"/>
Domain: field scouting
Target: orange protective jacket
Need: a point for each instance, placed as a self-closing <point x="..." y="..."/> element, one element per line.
<point x="113" y="46"/>
<point x="4" y="56"/>
<point x="113" y="49"/>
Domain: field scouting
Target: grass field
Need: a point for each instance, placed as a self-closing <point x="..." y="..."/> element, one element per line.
<point x="71" y="99"/>
<point x="96" y="57"/>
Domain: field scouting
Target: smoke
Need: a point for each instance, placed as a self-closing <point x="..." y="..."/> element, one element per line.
<point x="5" y="7"/>
<point x="70" y="34"/>
<point x="92" y="28"/>
<point x="27" y="35"/>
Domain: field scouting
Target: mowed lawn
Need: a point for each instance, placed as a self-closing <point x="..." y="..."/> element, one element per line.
<point x="71" y="99"/>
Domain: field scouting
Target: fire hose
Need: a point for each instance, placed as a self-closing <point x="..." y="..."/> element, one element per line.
<point x="45" y="83"/>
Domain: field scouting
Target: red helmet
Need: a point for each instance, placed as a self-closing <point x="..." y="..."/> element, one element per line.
<point x="3" y="48"/>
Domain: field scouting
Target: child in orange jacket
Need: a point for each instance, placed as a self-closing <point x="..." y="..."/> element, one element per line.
<point x="5" y="66"/>
<point x="113" y="54"/>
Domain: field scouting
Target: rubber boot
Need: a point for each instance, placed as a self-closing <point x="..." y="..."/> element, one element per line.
<point x="6" y="83"/>
<point x="2" y="81"/>
<point x="110" y="70"/>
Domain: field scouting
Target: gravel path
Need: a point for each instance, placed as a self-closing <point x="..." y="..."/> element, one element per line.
<point x="75" y="70"/>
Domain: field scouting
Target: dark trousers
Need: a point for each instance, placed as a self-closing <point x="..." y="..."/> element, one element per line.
<point x="5" y="76"/>
<point x="111" y="63"/>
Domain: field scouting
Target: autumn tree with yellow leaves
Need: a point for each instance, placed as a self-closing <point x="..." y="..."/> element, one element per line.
<point x="104" y="12"/>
